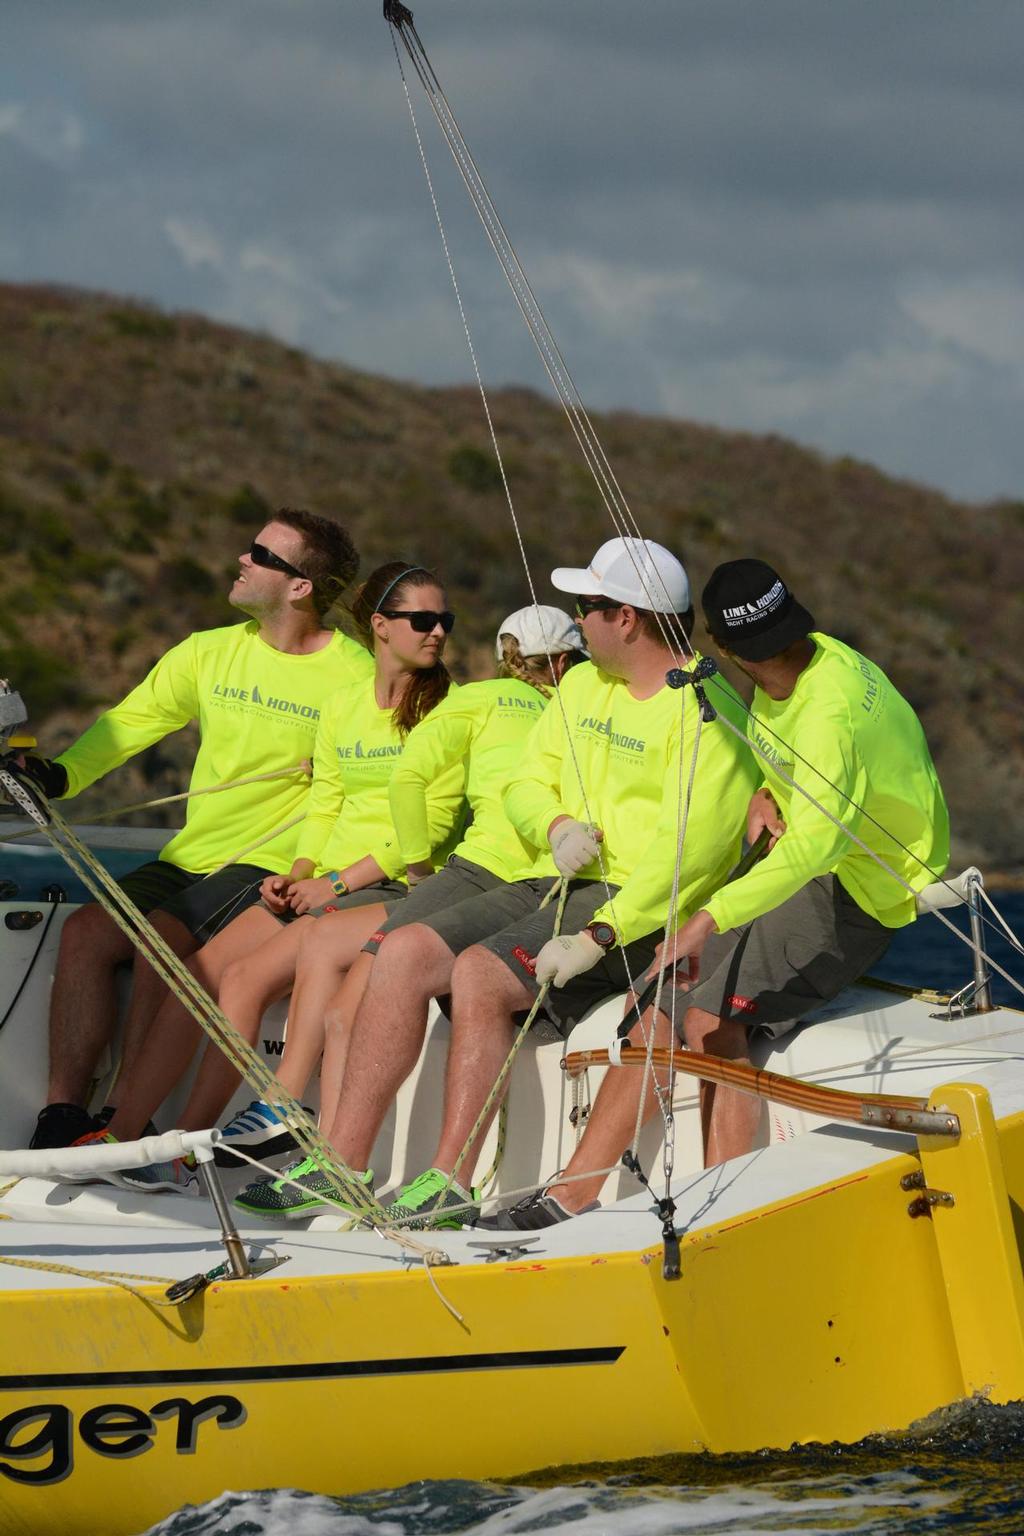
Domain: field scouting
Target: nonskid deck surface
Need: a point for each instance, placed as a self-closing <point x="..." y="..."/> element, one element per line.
<point x="180" y="1237"/>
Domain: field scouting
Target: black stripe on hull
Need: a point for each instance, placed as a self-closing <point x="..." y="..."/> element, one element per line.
<point x="325" y="1370"/>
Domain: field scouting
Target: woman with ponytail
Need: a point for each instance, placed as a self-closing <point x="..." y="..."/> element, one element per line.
<point x="347" y="856"/>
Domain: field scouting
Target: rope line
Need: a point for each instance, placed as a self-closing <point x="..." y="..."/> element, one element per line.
<point x="181" y="982"/>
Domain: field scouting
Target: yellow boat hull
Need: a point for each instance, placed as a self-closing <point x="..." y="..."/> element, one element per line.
<point x="826" y="1316"/>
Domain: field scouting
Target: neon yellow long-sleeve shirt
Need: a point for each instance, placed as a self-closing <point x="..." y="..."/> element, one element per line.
<point x="483" y="725"/>
<point x="257" y="708"/>
<point x="349" y="816"/>
<point x="844" y="732"/>
<point x="628" y="754"/>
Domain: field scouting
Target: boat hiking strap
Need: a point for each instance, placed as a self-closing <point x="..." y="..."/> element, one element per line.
<point x="893" y="1112"/>
<point x="181" y="982"/>
<point x="186" y="794"/>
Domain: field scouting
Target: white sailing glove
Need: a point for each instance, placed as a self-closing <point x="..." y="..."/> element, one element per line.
<point x="568" y="955"/>
<point x="574" y="845"/>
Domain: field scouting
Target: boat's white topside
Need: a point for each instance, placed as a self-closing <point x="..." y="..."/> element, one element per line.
<point x="871" y="1038"/>
<point x="171" y="1235"/>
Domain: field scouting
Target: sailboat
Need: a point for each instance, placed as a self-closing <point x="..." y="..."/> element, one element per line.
<point x="856" y="1271"/>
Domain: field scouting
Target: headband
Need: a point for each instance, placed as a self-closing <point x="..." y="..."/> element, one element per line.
<point x="393" y="584"/>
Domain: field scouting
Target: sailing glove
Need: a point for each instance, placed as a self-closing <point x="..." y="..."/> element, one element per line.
<point x="51" y="777"/>
<point x="574" y="845"/>
<point x="568" y="955"/>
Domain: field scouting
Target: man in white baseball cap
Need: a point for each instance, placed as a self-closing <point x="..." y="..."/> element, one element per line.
<point x="597" y="791"/>
<point x="635" y="571"/>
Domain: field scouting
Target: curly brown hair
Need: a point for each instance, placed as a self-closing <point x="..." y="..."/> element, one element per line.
<point x="426" y="687"/>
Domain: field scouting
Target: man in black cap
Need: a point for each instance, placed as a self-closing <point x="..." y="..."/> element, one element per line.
<point x="847" y="781"/>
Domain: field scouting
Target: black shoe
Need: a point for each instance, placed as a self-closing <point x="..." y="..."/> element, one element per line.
<point x="59" y="1125"/>
<point x="102" y="1118"/>
<point x="538" y="1210"/>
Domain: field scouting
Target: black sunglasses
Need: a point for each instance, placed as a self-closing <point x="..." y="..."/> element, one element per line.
<point x="259" y="554"/>
<point x="421" y="619"/>
<point x="585" y="605"/>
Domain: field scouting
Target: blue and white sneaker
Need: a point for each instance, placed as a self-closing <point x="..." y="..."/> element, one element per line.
<point x="261" y="1130"/>
<point x="179" y="1175"/>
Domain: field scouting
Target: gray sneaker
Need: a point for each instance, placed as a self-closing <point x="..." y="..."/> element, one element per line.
<point x="538" y="1210"/>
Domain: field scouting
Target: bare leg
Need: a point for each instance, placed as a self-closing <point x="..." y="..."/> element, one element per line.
<point x="327" y="949"/>
<point x="485" y="998"/>
<point x="83" y="1003"/>
<point x="413" y="966"/>
<point x="149" y="992"/>
<point x="729" y="1118"/>
<point x="612" y="1121"/>
<point x="249" y="983"/>
<point x="338" y="1023"/>
<point x="170" y="1043"/>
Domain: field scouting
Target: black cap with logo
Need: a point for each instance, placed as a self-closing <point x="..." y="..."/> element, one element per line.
<point x="750" y="611"/>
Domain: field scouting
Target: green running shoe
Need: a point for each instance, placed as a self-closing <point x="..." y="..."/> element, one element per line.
<point x="275" y="1199"/>
<point x="419" y="1205"/>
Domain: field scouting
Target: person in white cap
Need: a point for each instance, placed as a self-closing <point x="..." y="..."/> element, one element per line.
<point x="484" y="725"/>
<point x="598" y="790"/>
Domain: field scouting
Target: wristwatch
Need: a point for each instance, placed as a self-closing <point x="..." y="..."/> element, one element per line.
<point x="338" y="885"/>
<point x="601" y="933"/>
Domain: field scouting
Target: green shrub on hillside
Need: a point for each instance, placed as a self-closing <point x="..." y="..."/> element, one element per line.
<point x="142" y="322"/>
<point x="185" y="577"/>
<point x="43" y="678"/>
<point x="246" y="505"/>
<point x="476" y="470"/>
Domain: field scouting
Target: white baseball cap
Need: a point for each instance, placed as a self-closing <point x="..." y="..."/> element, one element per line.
<point x="541" y="631"/>
<point x="635" y="571"/>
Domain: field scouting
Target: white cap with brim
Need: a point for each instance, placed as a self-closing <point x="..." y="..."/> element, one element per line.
<point x="541" y="631"/>
<point x="634" y="571"/>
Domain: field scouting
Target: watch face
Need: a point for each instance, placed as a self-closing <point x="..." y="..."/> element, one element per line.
<point x="603" y="934"/>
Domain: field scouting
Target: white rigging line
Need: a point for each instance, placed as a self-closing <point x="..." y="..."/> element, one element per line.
<point x="568" y="394"/>
<point x="552" y="359"/>
<point x="501" y="462"/>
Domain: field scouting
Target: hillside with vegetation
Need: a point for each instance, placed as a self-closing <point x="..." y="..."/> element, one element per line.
<point x="139" y="452"/>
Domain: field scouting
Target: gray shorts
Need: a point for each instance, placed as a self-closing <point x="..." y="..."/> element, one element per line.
<point x="456" y="881"/>
<point x="384" y="892"/>
<point x="784" y="964"/>
<point x="519" y="943"/>
<point x="204" y="903"/>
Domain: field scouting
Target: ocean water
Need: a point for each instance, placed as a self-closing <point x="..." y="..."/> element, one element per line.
<point x="961" y="1472"/>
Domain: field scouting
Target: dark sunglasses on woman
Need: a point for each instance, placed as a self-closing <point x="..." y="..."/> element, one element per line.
<point x="422" y="620"/>
<point x="259" y="554"/>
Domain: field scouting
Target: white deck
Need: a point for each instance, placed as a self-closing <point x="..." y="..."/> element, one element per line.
<point x="871" y="1038"/>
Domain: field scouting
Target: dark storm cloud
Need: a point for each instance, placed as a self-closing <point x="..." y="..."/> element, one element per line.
<point x="783" y="215"/>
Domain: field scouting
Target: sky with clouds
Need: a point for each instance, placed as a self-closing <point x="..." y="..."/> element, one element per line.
<point x="793" y="216"/>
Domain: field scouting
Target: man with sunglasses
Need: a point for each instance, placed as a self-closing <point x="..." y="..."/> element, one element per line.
<point x="256" y="690"/>
<point x="599" y="793"/>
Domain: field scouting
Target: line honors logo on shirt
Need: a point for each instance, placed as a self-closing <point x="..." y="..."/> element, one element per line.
<point x="269" y="701"/>
<point x="590" y="725"/>
<point x="768" y="750"/>
<point x="356" y="749"/>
